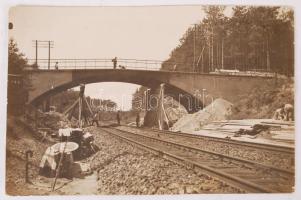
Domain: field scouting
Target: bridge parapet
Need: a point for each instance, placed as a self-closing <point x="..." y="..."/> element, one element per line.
<point x="45" y="64"/>
<point x="130" y="64"/>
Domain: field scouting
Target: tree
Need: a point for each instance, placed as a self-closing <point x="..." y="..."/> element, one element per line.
<point x="253" y="38"/>
<point x="214" y="23"/>
<point x="16" y="60"/>
<point x="108" y="105"/>
<point x="18" y="83"/>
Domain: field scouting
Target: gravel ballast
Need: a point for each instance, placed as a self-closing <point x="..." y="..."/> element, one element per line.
<point x="267" y="157"/>
<point x="126" y="169"/>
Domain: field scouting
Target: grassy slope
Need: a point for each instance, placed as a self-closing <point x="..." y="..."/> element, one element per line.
<point x="262" y="102"/>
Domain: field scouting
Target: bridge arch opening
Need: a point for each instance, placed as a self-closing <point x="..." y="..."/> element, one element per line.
<point x="190" y="102"/>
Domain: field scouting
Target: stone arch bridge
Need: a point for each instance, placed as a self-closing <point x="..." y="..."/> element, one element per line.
<point x="188" y="88"/>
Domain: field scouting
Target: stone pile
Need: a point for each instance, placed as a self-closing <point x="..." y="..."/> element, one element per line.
<point x="219" y="109"/>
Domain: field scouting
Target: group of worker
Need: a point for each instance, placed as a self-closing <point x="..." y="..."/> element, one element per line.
<point x="286" y="113"/>
<point x="114" y="60"/>
<point x="118" y="119"/>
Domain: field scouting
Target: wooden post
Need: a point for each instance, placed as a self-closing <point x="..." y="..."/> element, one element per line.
<point x="59" y="165"/>
<point x="28" y="154"/>
<point x="80" y="112"/>
<point x="35" y="120"/>
<point x="162" y="116"/>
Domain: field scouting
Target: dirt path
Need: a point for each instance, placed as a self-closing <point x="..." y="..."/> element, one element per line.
<point x="85" y="186"/>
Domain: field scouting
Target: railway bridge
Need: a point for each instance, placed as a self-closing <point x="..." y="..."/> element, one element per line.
<point x="189" y="88"/>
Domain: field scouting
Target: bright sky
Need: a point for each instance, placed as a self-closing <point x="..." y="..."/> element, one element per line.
<point x="104" y="32"/>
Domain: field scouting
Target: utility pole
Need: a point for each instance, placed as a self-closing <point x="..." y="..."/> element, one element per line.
<point x="43" y="44"/>
<point x="212" y="52"/>
<point x="209" y="52"/>
<point x="194" y="41"/>
<point x="268" y="55"/>
<point x="48" y="54"/>
<point x="223" y="53"/>
<point x="203" y="62"/>
<point x="37" y="52"/>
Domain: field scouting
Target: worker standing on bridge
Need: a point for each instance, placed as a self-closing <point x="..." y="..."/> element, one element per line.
<point x="118" y="117"/>
<point x="114" y="60"/>
<point x="56" y="66"/>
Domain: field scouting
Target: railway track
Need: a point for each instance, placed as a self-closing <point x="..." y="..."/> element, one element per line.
<point x="249" y="176"/>
<point x="277" y="148"/>
<point x="270" y="155"/>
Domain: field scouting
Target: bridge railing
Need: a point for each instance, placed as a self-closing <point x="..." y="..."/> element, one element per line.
<point x="45" y="64"/>
<point x="130" y="64"/>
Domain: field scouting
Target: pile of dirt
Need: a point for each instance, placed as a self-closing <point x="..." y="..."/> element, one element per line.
<point x="262" y="102"/>
<point x="219" y="109"/>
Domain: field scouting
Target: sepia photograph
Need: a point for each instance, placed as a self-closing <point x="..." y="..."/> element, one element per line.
<point x="150" y="100"/>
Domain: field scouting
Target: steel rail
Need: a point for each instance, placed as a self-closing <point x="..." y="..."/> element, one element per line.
<point x="237" y="181"/>
<point x="217" y="154"/>
<point x="269" y="147"/>
<point x="237" y="150"/>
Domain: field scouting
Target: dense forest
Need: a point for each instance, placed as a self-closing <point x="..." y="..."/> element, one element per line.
<point x="253" y="38"/>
